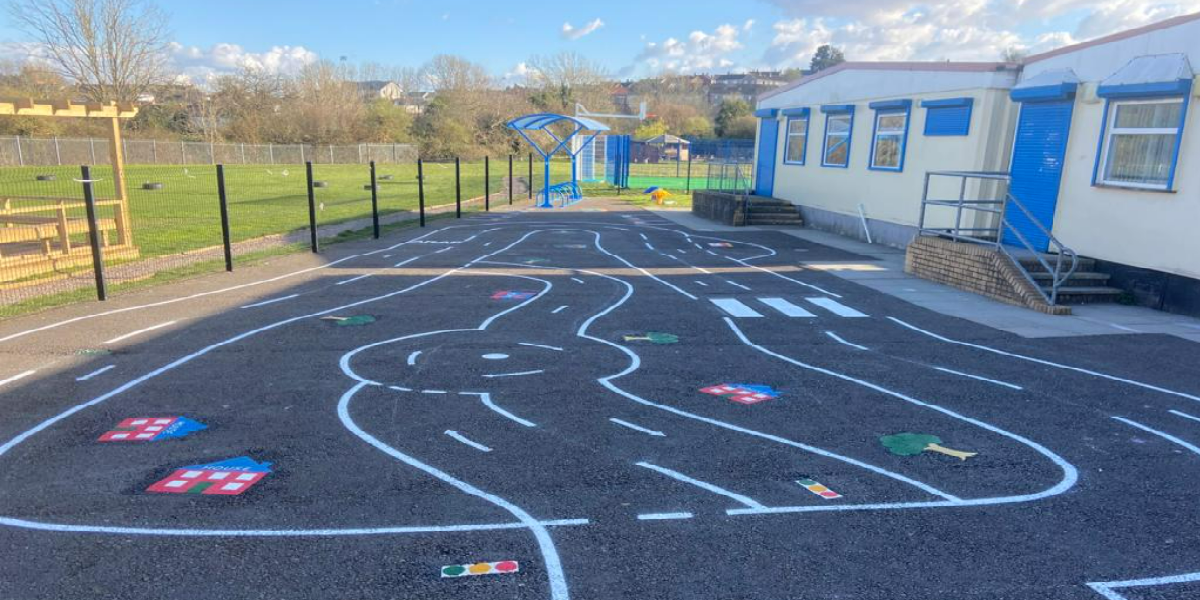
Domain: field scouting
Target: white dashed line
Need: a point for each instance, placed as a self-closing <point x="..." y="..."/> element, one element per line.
<point x="978" y="378"/>
<point x="664" y="516"/>
<point x="271" y="301"/>
<point x="95" y="373"/>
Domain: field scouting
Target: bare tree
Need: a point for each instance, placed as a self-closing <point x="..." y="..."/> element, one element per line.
<point x="566" y="78"/>
<point x="447" y="73"/>
<point x="111" y="49"/>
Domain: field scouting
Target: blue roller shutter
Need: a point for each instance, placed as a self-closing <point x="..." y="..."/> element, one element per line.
<point x="1037" y="166"/>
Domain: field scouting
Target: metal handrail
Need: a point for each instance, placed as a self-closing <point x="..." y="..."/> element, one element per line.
<point x="996" y="233"/>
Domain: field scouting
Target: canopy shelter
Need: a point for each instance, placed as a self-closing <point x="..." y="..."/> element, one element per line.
<point x="558" y="131"/>
<point x="37" y="232"/>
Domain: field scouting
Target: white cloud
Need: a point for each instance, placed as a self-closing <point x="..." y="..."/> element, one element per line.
<point x="201" y="64"/>
<point x="951" y="29"/>
<point x="699" y="52"/>
<point x="573" y="33"/>
<point x="748" y="25"/>
<point x="518" y="75"/>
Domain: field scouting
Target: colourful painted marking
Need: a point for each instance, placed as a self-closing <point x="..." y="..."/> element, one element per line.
<point x="481" y="568"/>
<point x="354" y="321"/>
<point x="818" y="489"/>
<point x="654" y="337"/>
<point x="226" y="478"/>
<point x="720" y="245"/>
<point x="512" y="295"/>
<point x="152" y="429"/>
<point x="742" y="393"/>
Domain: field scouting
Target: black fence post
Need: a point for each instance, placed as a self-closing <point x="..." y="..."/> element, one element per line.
<point x="89" y="202"/>
<point x="421" y="189"/>
<point x="224" y="201"/>
<point x="689" y="172"/>
<point x="457" y="190"/>
<point x="487" y="184"/>
<point x="374" y="201"/>
<point x="510" y="180"/>
<point x="531" y="176"/>
<point x="312" y="209"/>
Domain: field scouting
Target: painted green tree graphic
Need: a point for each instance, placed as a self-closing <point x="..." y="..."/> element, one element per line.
<point x="912" y="444"/>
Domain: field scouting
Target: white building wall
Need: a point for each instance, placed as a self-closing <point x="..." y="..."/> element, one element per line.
<point x="887" y="196"/>
<point x="1148" y="229"/>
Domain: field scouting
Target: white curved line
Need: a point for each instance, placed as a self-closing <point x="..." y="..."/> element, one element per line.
<point x="62" y="528"/>
<point x="487" y="401"/>
<point x="1045" y="362"/>
<point x="518" y="374"/>
<point x="704" y="485"/>
<point x="1107" y="588"/>
<point x="1070" y="474"/>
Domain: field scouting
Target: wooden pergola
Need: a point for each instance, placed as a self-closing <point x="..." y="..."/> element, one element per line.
<point x="50" y="235"/>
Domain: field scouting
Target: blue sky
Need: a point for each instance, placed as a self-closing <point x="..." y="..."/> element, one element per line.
<point x="631" y="38"/>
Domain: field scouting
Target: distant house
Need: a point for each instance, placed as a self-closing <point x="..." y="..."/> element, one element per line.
<point x="620" y="96"/>
<point x="414" y="103"/>
<point x="374" y="90"/>
<point x="744" y="86"/>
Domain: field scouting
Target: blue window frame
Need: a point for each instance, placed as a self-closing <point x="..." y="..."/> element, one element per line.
<point x="839" y="129"/>
<point x="889" y="138"/>
<point x="795" y="148"/>
<point x="1139" y="142"/>
<point x="949" y="116"/>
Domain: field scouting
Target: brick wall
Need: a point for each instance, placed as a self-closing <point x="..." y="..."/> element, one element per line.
<point x="722" y="207"/>
<point x="975" y="268"/>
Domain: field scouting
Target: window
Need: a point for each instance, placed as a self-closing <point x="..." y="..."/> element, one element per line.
<point x="797" y="140"/>
<point x="887" y="148"/>
<point x="1140" y="143"/>
<point x="838" y="128"/>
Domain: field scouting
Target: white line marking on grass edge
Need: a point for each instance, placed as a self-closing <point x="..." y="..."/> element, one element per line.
<point x="978" y="378"/>
<point x="461" y="438"/>
<point x="637" y="427"/>
<point x="271" y="301"/>
<point x="1044" y="362"/>
<point x="664" y="516"/>
<point x="140" y="331"/>
<point x="837" y="338"/>
<point x="99" y="371"/>
<point x="746" y="501"/>
<point x="18" y="377"/>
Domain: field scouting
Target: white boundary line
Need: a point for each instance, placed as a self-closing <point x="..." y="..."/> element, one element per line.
<point x="272" y="301"/>
<point x="463" y="439"/>
<point x="1010" y="386"/>
<point x="664" y="516"/>
<point x="140" y="331"/>
<point x="746" y="501"/>
<point x="1184" y="415"/>
<point x="1044" y="362"/>
<point x="18" y="377"/>
<point x="837" y="338"/>
<point x="99" y="371"/>
<point x="637" y="427"/>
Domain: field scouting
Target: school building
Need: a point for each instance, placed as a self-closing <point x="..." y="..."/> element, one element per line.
<point x="1083" y="152"/>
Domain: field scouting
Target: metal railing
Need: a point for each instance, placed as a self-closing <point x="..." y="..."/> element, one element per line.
<point x="729" y="177"/>
<point x="990" y="225"/>
<point x="26" y="151"/>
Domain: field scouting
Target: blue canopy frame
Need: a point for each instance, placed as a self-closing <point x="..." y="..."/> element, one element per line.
<point x="542" y="122"/>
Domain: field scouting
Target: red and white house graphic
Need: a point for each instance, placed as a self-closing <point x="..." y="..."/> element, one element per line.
<point x="152" y="429"/>
<point x="742" y="393"/>
<point x="226" y="478"/>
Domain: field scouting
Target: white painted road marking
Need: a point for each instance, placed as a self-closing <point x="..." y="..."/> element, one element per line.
<point x="412" y="358"/>
<point x="18" y="377"/>
<point x="1184" y="415"/>
<point x="518" y="374"/>
<point x="459" y="437"/>
<point x="736" y="285"/>
<point x="487" y="401"/>
<point x="978" y="378"/>
<point x="353" y="279"/>
<point x="704" y="485"/>
<point x="558" y="310"/>
<point x="839" y="340"/>
<point x="576" y="280"/>
<point x="1166" y="436"/>
<point x="836" y="308"/>
<point x="787" y="308"/>
<point x="99" y="371"/>
<point x="637" y="427"/>
<point x="735" y="308"/>
<point x="664" y="516"/>
<point x="554" y="348"/>
<point x="140" y="331"/>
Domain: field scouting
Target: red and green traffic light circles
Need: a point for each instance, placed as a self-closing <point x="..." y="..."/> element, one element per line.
<point x="481" y="568"/>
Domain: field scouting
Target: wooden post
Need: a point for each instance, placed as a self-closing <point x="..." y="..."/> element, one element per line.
<point x="124" y="232"/>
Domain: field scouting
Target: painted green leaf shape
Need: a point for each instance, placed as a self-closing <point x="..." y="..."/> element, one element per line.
<point x="908" y="444"/>
<point x="656" y="337"/>
<point x="355" y="321"/>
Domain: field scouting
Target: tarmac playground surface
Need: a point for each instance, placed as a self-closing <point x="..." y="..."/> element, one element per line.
<point x="592" y="403"/>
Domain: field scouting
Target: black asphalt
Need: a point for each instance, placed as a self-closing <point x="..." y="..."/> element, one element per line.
<point x="458" y="428"/>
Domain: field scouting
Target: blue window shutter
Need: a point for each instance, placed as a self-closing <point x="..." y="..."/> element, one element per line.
<point x="948" y="120"/>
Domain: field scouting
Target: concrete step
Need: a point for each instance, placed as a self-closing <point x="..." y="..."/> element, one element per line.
<point x="1086" y="294"/>
<point x="773" y="210"/>
<point x="793" y="220"/>
<point x="1077" y="279"/>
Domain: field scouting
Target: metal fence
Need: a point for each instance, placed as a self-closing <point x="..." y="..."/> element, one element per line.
<point x="71" y="233"/>
<point x="21" y="152"/>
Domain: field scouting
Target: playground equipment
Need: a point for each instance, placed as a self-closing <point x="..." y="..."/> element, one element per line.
<point x="657" y="194"/>
<point x="40" y="233"/>
<point x="567" y="191"/>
